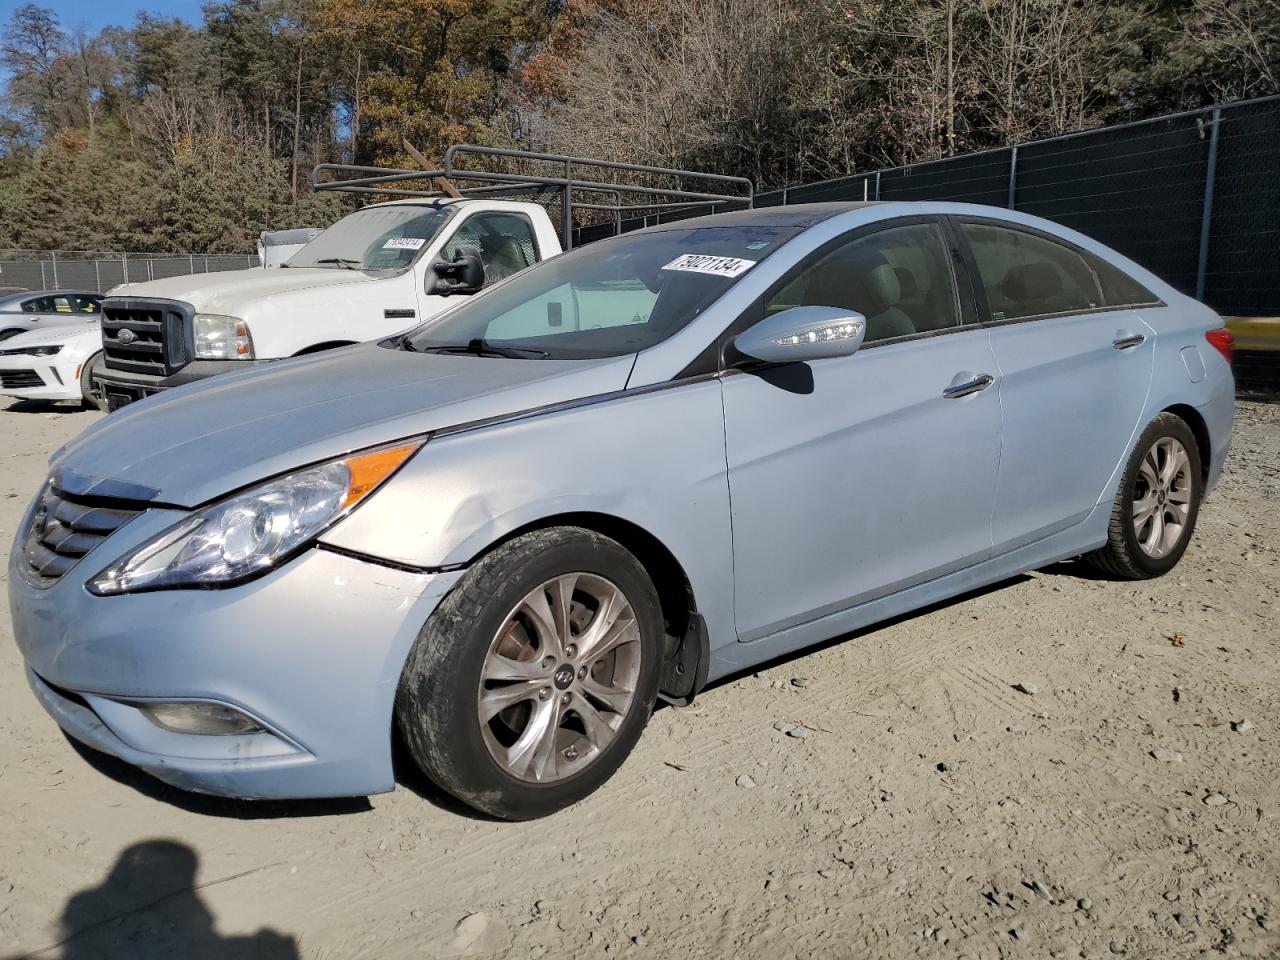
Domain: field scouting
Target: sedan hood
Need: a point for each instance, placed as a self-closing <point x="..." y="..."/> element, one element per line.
<point x="67" y="334"/>
<point x="195" y="443"/>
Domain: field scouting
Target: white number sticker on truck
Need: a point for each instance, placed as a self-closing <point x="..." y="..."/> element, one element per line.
<point x="705" y="263"/>
<point x="404" y="243"/>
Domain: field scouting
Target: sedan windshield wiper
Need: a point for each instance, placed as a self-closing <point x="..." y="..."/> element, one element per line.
<point x="482" y="348"/>
<point x="344" y="262"/>
<point x="403" y="342"/>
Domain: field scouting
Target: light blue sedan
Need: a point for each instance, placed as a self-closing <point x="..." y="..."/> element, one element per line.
<point x="608" y="480"/>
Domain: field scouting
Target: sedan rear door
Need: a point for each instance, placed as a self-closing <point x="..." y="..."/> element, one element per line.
<point x="1073" y="374"/>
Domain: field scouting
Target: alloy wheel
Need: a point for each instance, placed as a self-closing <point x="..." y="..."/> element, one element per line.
<point x="559" y="678"/>
<point x="1162" y="497"/>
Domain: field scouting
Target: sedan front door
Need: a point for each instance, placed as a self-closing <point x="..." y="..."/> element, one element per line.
<point x="851" y="478"/>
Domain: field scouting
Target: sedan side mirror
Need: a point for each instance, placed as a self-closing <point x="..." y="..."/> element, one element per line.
<point x="463" y="274"/>
<point x="803" y="333"/>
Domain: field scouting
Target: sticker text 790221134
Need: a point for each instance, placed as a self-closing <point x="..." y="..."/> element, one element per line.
<point x="705" y="263"/>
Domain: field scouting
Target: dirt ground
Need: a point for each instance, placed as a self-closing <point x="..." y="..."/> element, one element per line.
<point x="1124" y="801"/>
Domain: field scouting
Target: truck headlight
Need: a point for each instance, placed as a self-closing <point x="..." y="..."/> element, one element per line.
<point x="222" y="338"/>
<point x="251" y="532"/>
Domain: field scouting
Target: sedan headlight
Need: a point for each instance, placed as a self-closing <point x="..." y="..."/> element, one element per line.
<point x="46" y="351"/>
<point x="222" y="338"/>
<point x="249" y="533"/>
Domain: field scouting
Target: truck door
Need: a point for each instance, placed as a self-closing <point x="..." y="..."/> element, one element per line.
<point x="504" y="240"/>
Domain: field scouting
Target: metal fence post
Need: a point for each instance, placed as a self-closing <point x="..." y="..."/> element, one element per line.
<point x="1206" y="215"/>
<point x="877" y="184"/>
<point x="566" y="215"/>
<point x="124" y="261"/>
<point x="54" y="255"/>
<point x="97" y="275"/>
<point x="1013" y="175"/>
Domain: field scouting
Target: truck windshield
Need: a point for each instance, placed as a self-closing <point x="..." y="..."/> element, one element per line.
<point x="375" y="238"/>
<point x="611" y="298"/>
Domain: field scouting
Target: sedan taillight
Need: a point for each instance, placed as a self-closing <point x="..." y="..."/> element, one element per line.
<point x="1222" y="341"/>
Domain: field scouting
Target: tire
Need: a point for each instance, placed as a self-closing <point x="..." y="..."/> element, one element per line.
<point x="1138" y="551"/>
<point x="500" y="619"/>
<point x="91" y="402"/>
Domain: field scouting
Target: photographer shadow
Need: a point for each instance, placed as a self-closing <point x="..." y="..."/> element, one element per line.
<point x="149" y="908"/>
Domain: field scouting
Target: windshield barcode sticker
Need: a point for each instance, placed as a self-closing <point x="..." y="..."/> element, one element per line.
<point x="705" y="263"/>
<point x="404" y="243"/>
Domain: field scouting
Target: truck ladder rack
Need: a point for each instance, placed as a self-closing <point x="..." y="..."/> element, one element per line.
<point x="563" y="184"/>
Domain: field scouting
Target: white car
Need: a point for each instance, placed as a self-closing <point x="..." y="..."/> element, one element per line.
<point x="51" y="364"/>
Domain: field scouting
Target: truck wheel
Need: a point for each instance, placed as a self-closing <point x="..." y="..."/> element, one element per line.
<point x="1157" y="504"/>
<point x="532" y="681"/>
<point x="87" y="371"/>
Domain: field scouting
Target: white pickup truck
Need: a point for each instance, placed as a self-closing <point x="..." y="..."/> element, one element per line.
<point x="379" y="270"/>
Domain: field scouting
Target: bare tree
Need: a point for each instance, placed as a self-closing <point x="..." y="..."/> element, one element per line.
<point x="1248" y="32"/>
<point x="1038" y="66"/>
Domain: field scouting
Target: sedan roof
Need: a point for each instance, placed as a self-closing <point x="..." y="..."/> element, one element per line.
<point x="9" y="298"/>
<point x="792" y="215"/>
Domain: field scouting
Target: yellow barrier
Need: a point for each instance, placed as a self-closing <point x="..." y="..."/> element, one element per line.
<point x="1255" y="333"/>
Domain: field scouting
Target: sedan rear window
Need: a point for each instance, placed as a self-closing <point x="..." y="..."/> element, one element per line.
<point x="1027" y="275"/>
<point x="611" y="298"/>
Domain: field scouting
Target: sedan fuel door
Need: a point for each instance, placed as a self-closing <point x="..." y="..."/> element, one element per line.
<point x="854" y="475"/>
<point x="1075" y="366"/>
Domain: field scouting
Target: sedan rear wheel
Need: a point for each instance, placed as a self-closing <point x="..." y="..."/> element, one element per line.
<point x="1162" y="497"/>
<point x="1156" y="507"/>
<point x="534" y="678"/>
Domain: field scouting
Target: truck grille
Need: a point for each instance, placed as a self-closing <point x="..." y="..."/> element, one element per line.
<point x="18" y="379"/>
<point x="146" y="336"/>
<point x="64" y="528"/>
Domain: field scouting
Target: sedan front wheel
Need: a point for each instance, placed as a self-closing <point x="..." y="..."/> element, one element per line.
<point x="533" y="680"/>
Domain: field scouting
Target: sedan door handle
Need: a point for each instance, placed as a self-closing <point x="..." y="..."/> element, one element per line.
<point x="964" y="389"/>
<point x="1124" y="341"/>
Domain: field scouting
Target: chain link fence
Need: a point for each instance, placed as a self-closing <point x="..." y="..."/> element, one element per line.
<point x="95" y="270"/>
<point x="1194" y="197"/>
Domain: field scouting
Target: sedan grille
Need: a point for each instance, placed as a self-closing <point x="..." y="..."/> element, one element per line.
<point x="18" y="379"/>
<point x="63" y="529"/>
<point x="145" y="336"/>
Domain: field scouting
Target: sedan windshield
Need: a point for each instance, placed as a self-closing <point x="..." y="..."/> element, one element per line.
<point x="375" y="238"/>
<point x="611" y="298"/>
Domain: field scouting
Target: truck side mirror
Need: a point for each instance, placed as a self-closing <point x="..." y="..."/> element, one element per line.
<point x="463" y="274"/>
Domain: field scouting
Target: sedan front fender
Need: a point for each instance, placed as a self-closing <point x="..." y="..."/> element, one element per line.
<point x="652" y="458"/>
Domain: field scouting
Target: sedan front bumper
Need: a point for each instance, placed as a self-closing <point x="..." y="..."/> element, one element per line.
<point x="312" y="651"/>
<point x="39" y="378"/>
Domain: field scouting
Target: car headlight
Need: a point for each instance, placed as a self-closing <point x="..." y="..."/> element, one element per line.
<point x="251" y="532"/>
<point x="222" y="338"/>
<point x="47" y="351"/>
